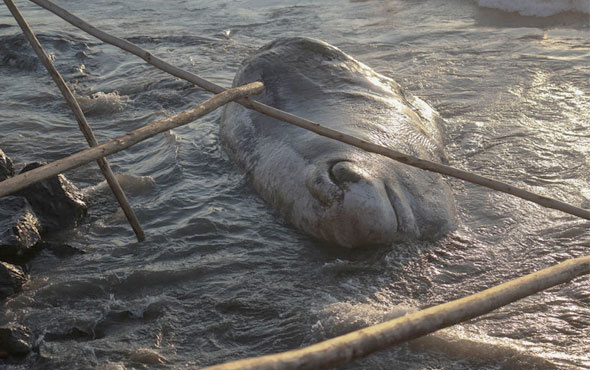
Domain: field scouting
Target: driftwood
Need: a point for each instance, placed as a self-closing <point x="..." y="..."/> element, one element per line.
<point x="362" y="342"/>
<point x="82" y="122"/>
<point x="359" y="343"/>
<point x="310" y="125"/>
<point x="22" y="180"/>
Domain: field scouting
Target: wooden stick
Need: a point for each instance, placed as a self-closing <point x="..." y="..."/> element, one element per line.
<point x="82" y="122"/>
<point x="25" y="179"/>
<point x="417" y="162"/>
<point x="310" y="125"/>
<point x="128" y="46"/>
<point x="345" y="348"/>
<point x="362" y="342"/>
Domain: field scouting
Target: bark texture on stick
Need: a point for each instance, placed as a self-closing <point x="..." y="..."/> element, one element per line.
<point x="82" y="122"/>
<point x="362" y="342"/>
<point x="25" y="179"/>
<point x="310" y="125"/>
<point x="128" y="46"/>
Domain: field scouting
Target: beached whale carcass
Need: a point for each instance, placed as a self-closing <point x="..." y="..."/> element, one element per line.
<point x="331" y="190"/>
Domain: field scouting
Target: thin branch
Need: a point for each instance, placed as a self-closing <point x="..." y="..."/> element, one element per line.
<point x="25" y="179"/>
<point x="82" y="122"/>
<point x="362" y="342"/>
<point x="310" y="125"/>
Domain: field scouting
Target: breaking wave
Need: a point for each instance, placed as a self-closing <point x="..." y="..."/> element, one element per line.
<point x="538" y="8"/>
<point x="103" y="103"/>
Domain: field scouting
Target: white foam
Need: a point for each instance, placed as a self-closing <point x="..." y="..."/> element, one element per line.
<point x="135" y="185"/>
<point x="454" y="342"/>
<point x="343" y="317"/>
<point x="101" y="103"/>
<point x="538" y="8"/>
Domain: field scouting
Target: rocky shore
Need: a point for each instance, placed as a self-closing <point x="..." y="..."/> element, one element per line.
<point x="25" y="218"/>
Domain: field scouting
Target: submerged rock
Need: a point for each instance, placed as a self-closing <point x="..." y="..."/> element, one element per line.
<point x="15" y="340"/>
<point x="60" y="250"/>
<point x="6" y="167"/>
<point x="112" y="366"/>
<point x="58" y="203"/>
<point x="71" y="334"/>
<point x="147" y="356"/>
<point x="12" y="279"/>
<point x="19" y="228"/>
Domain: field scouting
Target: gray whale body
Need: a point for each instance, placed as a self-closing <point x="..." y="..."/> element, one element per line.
<point x="330" y="190"/>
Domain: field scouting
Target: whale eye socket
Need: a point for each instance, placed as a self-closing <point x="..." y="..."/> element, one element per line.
<point x="343" y="172"/>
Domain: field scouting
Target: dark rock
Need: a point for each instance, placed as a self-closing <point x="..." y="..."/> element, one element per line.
<point x="58" y="203"/>
<point x="15" y="340"/>
<point x="73" y="334"/>
<point x="6" y="168"/>
<point x="12" y="279"/>
<point x="19" y="228"/>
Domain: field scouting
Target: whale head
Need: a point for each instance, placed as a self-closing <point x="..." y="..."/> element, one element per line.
<point x="333" y="191"/>
<point x="353" y="198"/>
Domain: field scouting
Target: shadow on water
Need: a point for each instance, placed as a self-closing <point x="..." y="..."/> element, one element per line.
<point x="368" y="254"/>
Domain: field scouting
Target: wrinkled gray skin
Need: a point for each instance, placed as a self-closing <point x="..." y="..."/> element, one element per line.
<point x="328" y="189"/>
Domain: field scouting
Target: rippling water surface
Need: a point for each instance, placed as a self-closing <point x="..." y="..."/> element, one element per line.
<point x="221" y="277"/>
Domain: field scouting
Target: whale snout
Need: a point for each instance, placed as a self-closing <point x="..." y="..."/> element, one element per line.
<point x="358" y="208"/>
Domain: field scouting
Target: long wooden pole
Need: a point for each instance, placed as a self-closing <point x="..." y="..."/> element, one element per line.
<point x="362" y="342"/>
<point x="82" y="122"/>
<point x="25" y="179"/>
<point x="310" y="125"/>
<point x="345" y="348"/>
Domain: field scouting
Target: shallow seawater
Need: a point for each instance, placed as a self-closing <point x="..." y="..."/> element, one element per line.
<point x="221" y="277"/>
